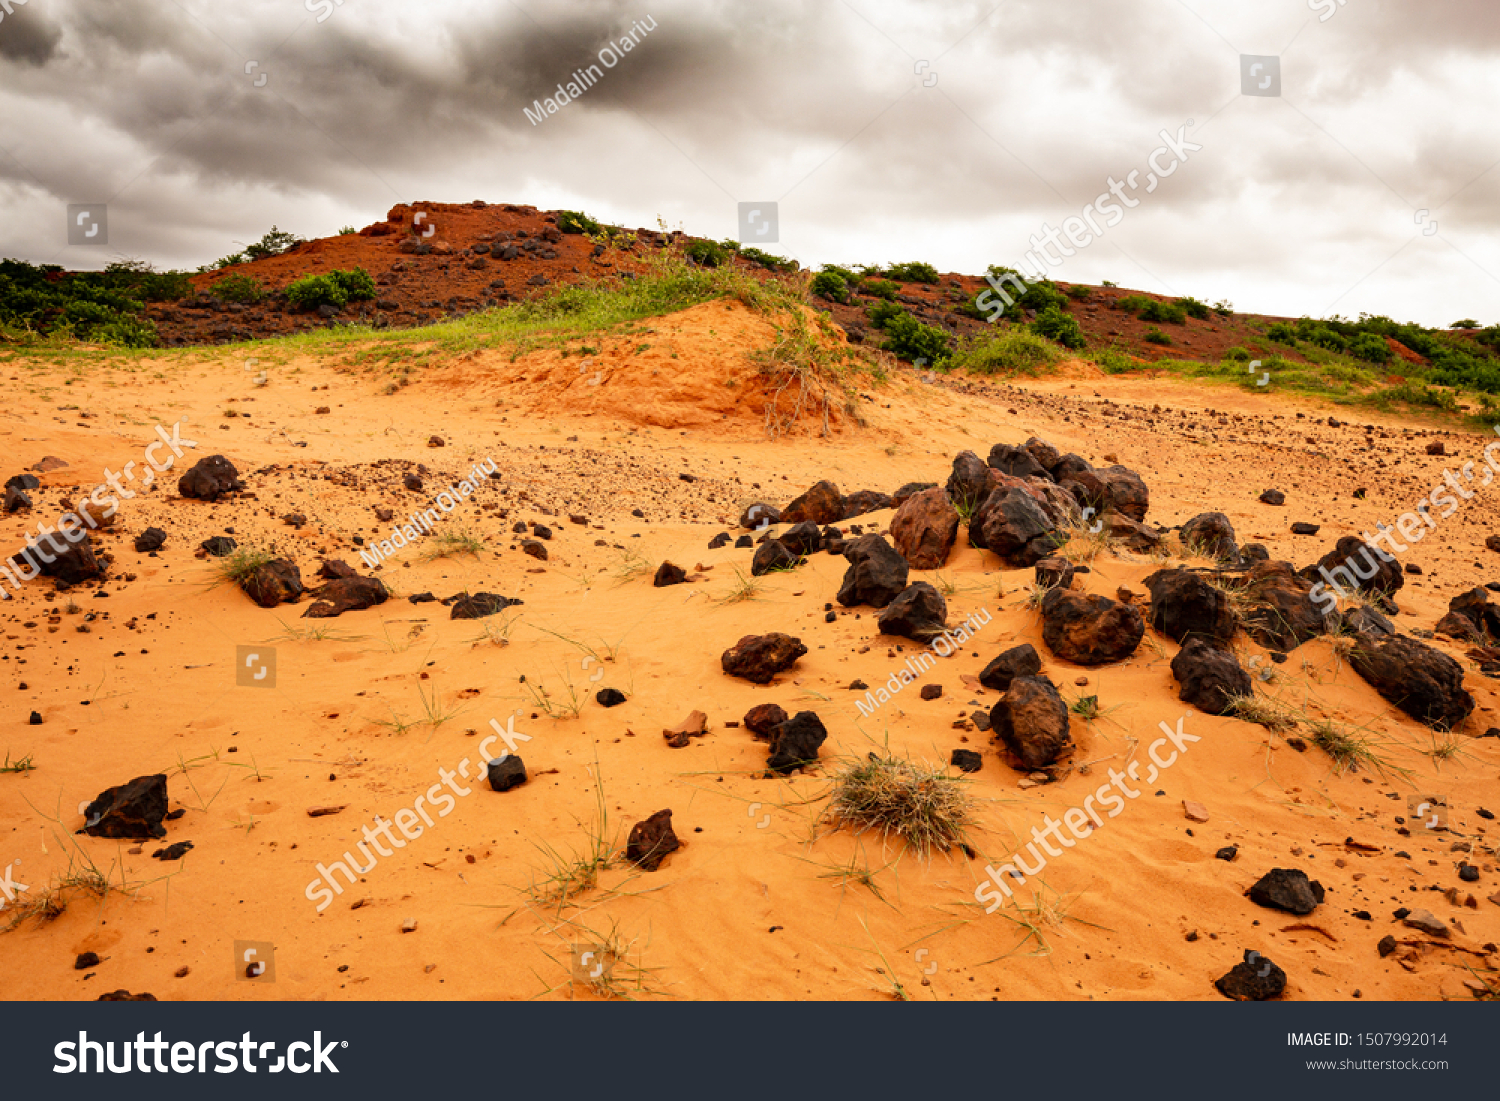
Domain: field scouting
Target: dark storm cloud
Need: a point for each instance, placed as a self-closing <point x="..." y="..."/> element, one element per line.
<point x="202" y="123"/>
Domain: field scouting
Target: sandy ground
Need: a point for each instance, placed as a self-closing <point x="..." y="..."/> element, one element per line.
<point x="762" y="901"/>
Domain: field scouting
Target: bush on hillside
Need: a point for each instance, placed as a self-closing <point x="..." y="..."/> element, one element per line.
<point x="912" y="340"/>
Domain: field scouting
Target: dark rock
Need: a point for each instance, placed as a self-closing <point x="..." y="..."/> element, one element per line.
<point x="1089" y="630"/>
<point x="669" y="574"/>
<point x="968" y="485"/>
<point x="276" y="582"/>
<point x="1355" y="565"/>
<point x="129" y="811"/>
<point x="73" y="565"/>
<point x="863" y="501"/>
<point x="758" y="658"/>
<point x="822" y="504"/>
<point x="1386" y="946"/>
<point x="123" y="995"/>
<point x="220" y="546"/>
<point x="541" y="531"/>
<point x="150" y="540"/>
<point x="908" y="490"/>
<point x="1032" y="722"/>
<point x="1257" y="979"/>
<point x="1228" y="852"/>
<point x="966" y="760"/>
<point x="1426" y="684"/>
<point x="1273" y="497"/>
<point x="773" y="555"/>
<point x="1364" y="620"/>
<point x="1435" y="447"/>
<point x="1015" y="461"/>
<point x="924" y="529"/>
<point x="209" y="479"/>
<point x="348" y="594"/>
<point x="1301" y="528"/>
<point x="1471" y="616"/>
<point x="535" y="548"/>
<point x="1492" y="542"/>
<point x="609" y="697"/>
<point x="412" y="482"/>
<point x="651" y="841"/>
<point x="1018" y="661"/>
<point x="506" y="772"/>
<point x="918" y="613"/>
<point x="801" y="539"/>
<point x="35" y="719"/>
<point x="1125" y="492"/>
<point x="723" y="539"/>
<point x="760" y="515"/>
<point x="1131" y="534"/>
<point x="763" y="718"/>
<point x="478" y="605"/>
<point x="1184" y="605"/>
<point x="1055" y="572"/>
<point x="1209" y="677"/>
<point x="744" y="541"/>
<point x="1254" y="552"/>
<point x="932" y="691"/>
<point x="1468" y="873"/>
<point x="85" y="961"/>
<point x="1047" y="457"/>
<point x="876" y="575"/>
<point x="1212" y="535"/>
<point x="1281" y="612"/>
<point x="173" y="852"/>
<point x="16" y="500"/>
<point x="23" y="481"/>
<point x="1287" y="889"/>
<point x="335" y="569"/>
<point x="1016" y="528"/>
<point x="795" y="742"/>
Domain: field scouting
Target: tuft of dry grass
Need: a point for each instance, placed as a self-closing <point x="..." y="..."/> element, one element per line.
<point x="1264" y="711"/>
<point x="920" y="804"/>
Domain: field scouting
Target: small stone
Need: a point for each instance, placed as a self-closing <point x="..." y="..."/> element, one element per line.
<point x="409" y="925"/>
<point x="609" y="697"/>
<point x="1194" y="812"/>
<point x="932" y="691"/>
<point x="966" y="760"/>
<point x="1305" y="529"/>
<point x="1425" y="922"/>
<point x="507" y="772"/>
<point x="85" y="961"/>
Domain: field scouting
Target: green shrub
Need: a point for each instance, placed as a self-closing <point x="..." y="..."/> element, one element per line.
<point x="1133" y="303"/>
<point x="1163" y="313"/>
<point x="1466" y="323"/>
<point x="1237" y="354"/>
<point x="880" y="288"/>
<point x="1114" y="360"/>
<point x="913" y="272"/>
<point x="708" y="254"/>
<point x="274" y="243"/>
<point x="1156" y="336"/>
<point x="1224" y="308"/>
<point x="1058" y="325"/>
<point x="830" y="285"/>
<point x="348" y="231"/>
<point x="1194" y="308"/>
<point x="1371" y="348"/>
<point x="1040" y="295"/>
<point x="1078" y="292"/>
<point x="851" y="280"/>
<point x="238" y="288"/>
<point x="767" y="260"/>
<point x="312" y="291"/>
<point x="356" y="284"/>
<point x="574" y="221"/>
<point x="882" y="311"/>
<point x="910" y="339"/>
<point x="1282" y="333"/>
<point x="1004" y="352"/>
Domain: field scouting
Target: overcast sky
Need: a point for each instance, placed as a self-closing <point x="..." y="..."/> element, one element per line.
<point x="883" y="129"/>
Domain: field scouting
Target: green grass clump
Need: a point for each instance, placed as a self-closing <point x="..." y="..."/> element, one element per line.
<point x="912" y="340"/>
<point x="1005" y="352"/>
<point x="922" y="805"/>
<point x="336" y="288"/>
<point x="238" y="288"/>
<point x="574" y="221"/>
<point x="829" y="285"/>
<point x="913" y="272"/>
<point x="1061" y="326"/>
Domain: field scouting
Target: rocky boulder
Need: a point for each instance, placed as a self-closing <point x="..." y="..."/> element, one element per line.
<point x="876" y="575"/>
<point x="277" y="582"/>
<point x="209" y="479"/>
<point x="822" y="504"/>
<point x="1281" y="613"/>
<point x="758" y="658"/>
<point x="132" y="811"/>
<point x="1426" y="684"/>
<point x="795" y="742"/>
<point x="1015" y="461"/>
<point x="919" y="613"/>
<point x="352" y="594"/>
<point x="863" y="501"/>
<point x="773" y="555"/>
<point x="1471" y="616"/>
<point x="1355" y="565"/>
<point x="968" y="484"/>
<point x="1130" y="534"/>
<point x="1211" y="535"/>
<point x="1209" y="677"/>
<point x="1031" y="721"/>
<point x="925" y="528"/>
<point x="1184" y="605"/>
<point x="1089" y="630"/>
<point x="1018" y="661"/>
<point x="1015" y="528"/>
